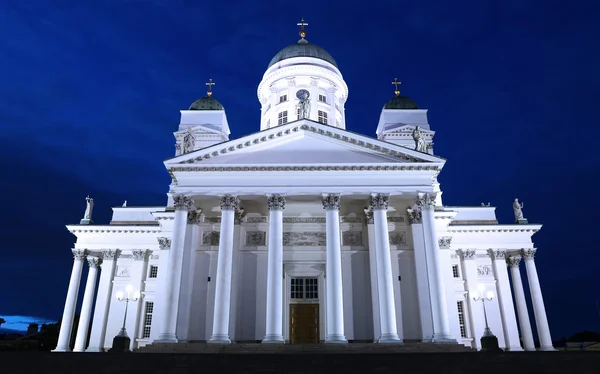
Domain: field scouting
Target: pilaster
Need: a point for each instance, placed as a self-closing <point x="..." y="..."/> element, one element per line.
<point x="476" y="319"/>
<point x="137" y="277"/>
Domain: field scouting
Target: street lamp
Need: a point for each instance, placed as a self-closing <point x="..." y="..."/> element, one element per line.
<point x="121" y="341"/>
<point x="489" y="342"/>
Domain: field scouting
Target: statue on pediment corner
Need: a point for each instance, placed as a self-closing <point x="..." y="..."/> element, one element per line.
<point x="420" y="144"/>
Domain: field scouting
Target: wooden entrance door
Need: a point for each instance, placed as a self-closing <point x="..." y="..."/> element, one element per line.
<point x="304" y="323"/>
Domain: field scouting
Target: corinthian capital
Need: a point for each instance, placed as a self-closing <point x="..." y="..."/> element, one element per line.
<point x="426" y="200"/>
<point x="140" y="255"/>
<point x="379" y="201"/>
<point x="466" y="254"/>
<point x="94" y="262"/>
<point x="513" y="261"/>
<point x="164" y="243"/>
<point x="415" y="215"/>
<point x="229" y="202"/>
<point x="528" y="254"/>
<point x="194" y="216"/>
<point x="183" y="202"/>
<point x="275" y="202"/>
<point x="369" y="216"/>
<point x="110" y="255"/>
<point x="497" y="255"/>
<point x="331" y="201"/>
<point x="80" y="254"/>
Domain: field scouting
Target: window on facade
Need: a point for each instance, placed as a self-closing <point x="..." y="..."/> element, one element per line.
<point x="461" y="318"/>
<point x="455" y="273"/>
<point x="304" y="288"/>
<point x="282" y="98"/>
<point x="322" y="98"/>
<point x="153" y="273"/>
<point x="322" y="117"/>
<point x="282" y="117"/>
<point x="148" y="319"/>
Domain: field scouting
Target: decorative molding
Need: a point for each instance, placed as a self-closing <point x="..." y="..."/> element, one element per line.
<point x="211" y="238"/>
<point x="302" y="168"/>
<point x="484" y="270"/>
<point x="331" y="201"/>
<point x="415" y="216"/>
<point x="183" y="202"/>
<point x="80" y="254"/>
<point x="110" y="255"/>
<point x="291" y="82"/>
<point x="444" y="242"/>
<point x="396" y="219"/>
<point x="528" y="254"/>
<point x="165" y="218"/>
<point x="262" y="219"/>
<point x="256" y="238"/>
<point x="369" y="216"/>
<point x="351" y="220"/>
<point x="352" y="238"/>
<point x="497" y="254"/>
<point x="379" y="201"/>
<point x="164" y="243"/>
<point x="451" y="229"/>
<point x="94" y="262"/>
<point x="275" y="202"/>
<point x="122" y="271"/>
<point x="513" y="261"/>
<point x="213" y="220"/>
<point x="397" y="238"/>
<point x="229" y="202"/>
<point x="304" y="220"/>
<point x="302" y="239"/>
<point x="314" y="81"/>
<point x="426" y="200"/>
<point x="141" y="255"/>
<point x="466" y="254"/>
<point x="114" y="231"/>
<point x="482" y="255"/>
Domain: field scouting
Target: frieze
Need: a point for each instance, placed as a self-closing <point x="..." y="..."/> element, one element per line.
<point x="484" y="270"/>
<point x="303" y="219"/>
<point x="397" y="238"/>
<point x="482" y="255"/>
<point x="351" y="220"/>
<point x="444" y="242"/>
<point x="304" y="239"/>
<point x="262" y="219"/>
<point x="256" y="238"/>
<point x="352" y="238"/>
<point x="211" y="238"/>
<point x="212" y="219"/>
<point x="396" y="219"/>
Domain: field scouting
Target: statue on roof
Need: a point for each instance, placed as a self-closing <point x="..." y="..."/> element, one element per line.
<point x="304" y="104"/>
<point x="518" y="210"/>
<point x="420" y="144"/>
<point x="189" y="141"/>
<point x="88" y="209"/>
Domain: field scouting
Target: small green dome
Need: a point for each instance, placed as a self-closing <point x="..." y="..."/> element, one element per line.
<point x="400" y="102"/>
<point x="302" y="49"/>
<point x="206" y="103"/>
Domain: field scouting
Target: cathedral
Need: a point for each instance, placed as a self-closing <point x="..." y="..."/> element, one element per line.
<point x="304" y="232"/>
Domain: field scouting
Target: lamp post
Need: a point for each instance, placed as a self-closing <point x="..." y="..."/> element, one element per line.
<point x="121" y="341"/>
<point x="489" y="342"/>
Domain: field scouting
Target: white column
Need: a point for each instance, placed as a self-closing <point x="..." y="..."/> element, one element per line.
<point x="86" y="307"/>
<point x="138" y="272"/>
<point x="103" y="299"/>
<point x="66" y="324"/>
<point x="422" y="274"/>
<point x="274" y="332"/>
<point x="539" y="310"/>
<point x="334" y="302"/>
<point x="238" y="244"/>
<point x="385" y="285"/>
<point x="475" y="308"/>
<point x="220" y="333"/>
<point x="507" y="310"/>
<point x="172" y="285"/>
<point x="373" y="272"/>
<point x="524" y="323"/>
<point x="441" y="327"/>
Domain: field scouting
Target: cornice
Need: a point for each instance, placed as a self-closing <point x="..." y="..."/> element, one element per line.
<point x="494" y="228"/>
<point x="87" y="229"/>
<point x="303" y="168"/>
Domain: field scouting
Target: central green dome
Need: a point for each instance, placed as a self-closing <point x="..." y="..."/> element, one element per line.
<point x="206" y="103"/>
<point x="302" y="49"/>
<point x="400" y="102"/>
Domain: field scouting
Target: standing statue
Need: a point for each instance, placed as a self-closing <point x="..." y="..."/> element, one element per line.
<point x="88" y="209"/>
<point x="304" y="104"/>
<point x="420" y="144"/>
<point x="518" y="210"/>
<point x="189" y="141"/>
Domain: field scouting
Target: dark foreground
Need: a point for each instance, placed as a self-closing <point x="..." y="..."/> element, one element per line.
<point x="336" y="363"/>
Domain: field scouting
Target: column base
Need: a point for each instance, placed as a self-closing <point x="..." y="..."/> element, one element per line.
<point x="94" y="349"/>
<point x="61" y="349"/>
<point x="219" y="339"/>
<point x="530" y="349"/>
<point x="273" y="339"/>
<point x="443" y="338"/>
<point x="167" y="338"/>
<point x="514" y="349"/>
<point x="78" y="350"/>
<point x="389" y="338"/>
<point x="549" y="348"/>
<point x="336" y="339"/>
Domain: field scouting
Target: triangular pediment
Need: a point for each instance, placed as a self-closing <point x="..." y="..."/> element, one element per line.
<point x="303" y="143"/>
<point x="200" y="129"/>
<point x="405" y="128"/>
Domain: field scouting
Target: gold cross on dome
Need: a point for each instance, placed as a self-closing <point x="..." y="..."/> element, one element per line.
<point x="302" y="31"/>
<point x="210" y="83"/>
<point x="396" y="83"/>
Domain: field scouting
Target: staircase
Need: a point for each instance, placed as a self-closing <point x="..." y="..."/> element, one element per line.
<point x="258" y="348"/>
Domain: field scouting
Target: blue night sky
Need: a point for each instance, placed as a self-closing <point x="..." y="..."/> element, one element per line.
<point x="90" y="94"/>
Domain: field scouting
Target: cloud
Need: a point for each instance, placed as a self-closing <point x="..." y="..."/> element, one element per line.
<point x="20" y="323"/>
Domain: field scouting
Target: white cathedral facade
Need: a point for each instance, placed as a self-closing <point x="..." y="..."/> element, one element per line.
<point x="304" y="232"/>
